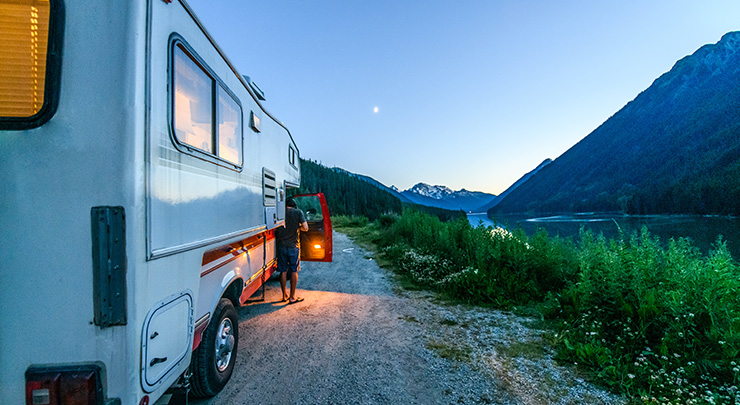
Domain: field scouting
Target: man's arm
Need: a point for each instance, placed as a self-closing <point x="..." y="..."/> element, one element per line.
<point x="302" y="221"/>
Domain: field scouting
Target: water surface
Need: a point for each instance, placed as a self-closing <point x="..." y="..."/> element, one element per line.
<point x="702" y="230"/>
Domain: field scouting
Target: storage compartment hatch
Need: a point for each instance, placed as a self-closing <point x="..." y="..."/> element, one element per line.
<point x="167" y="339"/>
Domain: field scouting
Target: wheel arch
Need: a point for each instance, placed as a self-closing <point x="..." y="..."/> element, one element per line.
<point x="234" y="291"/>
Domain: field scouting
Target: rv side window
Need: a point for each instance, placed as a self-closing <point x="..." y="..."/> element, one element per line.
<point x="291" y="156"/>
<point x="28" y="76"/>
<point x="205" y="115"/>
<point x="192" y="103"/>
<point x="229" y="127"/>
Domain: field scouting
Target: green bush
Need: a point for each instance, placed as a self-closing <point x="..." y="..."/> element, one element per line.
<point x="654" y="322"/>
<point x="386" y="220"/>
<point x="348" y="221"/>
<point x="479" y="265"/>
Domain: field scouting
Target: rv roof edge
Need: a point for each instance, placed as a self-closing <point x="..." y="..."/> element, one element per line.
<point x="245" y="79"/>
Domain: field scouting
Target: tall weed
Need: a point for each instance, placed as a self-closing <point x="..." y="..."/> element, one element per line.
<point x="479" y="265"/>
<point x="349" y="221"/>
<point x="657" y="322"/>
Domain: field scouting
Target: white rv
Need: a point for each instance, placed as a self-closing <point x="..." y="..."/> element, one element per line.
<point x="141" y="182"/>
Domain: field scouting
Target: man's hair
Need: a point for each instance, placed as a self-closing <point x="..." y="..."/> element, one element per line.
<point x="290" y="203"/>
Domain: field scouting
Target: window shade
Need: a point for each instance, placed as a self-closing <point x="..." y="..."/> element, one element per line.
<point x="24" y="29"/>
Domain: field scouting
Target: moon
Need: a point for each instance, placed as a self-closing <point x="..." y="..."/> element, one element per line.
<point x="375" y="110"/>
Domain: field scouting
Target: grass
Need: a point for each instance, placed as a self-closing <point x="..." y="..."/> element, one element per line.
<point x="449" y="350"/>
<point x="658" y="324"/>
<point x="527" y="349"/>
<point x="409" y="318"/>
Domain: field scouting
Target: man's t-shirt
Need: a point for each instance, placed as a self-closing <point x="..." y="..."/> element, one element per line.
<point x="288" y="236"/>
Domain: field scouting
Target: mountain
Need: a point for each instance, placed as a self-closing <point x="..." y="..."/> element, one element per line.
<point x="429" y="196"/>
<point x="349" y="193"/>
<point x="675" y="148"/>
<point x="392" y="189"/>
<point x="345" y="193"/>
<point x="443" y="197"/>
<point x="511" y="188"/>
<point x="425" y="190"/>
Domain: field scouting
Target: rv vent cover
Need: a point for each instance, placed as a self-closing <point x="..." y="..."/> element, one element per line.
<point x="269" y="188"/>
<point x="256" y="89"/>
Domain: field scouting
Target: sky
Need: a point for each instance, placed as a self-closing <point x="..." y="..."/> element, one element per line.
<point x="467" y="93"/>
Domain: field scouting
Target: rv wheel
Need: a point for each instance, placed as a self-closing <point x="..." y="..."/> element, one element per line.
<point x="214" y="359"/>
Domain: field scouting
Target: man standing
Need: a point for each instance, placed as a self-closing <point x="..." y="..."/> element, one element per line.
<point x="288" y="249"/>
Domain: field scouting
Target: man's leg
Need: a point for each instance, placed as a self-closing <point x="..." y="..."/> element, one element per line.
<point x="282" y="266"/>
<point x="293" y="265"/>
<point x="293" y="281"/>
<point x="283" y="281"/>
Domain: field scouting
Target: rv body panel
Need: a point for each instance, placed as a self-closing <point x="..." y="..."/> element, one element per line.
<point x="89" y="154"/>
<point x="111" y="143"/>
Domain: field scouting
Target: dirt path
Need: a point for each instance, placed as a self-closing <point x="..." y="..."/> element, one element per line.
<point x="356" y="341"/>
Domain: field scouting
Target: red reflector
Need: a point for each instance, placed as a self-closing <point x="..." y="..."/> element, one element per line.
<point x="79" y="388"/>
<point x="43" y="389"/>
<point x="63" y="386"/>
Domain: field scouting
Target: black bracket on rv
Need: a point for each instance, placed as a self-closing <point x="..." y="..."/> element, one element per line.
<point x="108" y="226"/>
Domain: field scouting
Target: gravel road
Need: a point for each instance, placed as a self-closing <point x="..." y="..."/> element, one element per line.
<point x="357" y="339"/>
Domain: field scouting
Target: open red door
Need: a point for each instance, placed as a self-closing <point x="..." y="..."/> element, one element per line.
<point x="316" y="243"/>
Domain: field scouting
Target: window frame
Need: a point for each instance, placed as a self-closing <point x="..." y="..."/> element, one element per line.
<point x="52" y="79"/>
<point x="176" y="41"/>
<point x="292" y="156"/>
<point x="219" y="88"/>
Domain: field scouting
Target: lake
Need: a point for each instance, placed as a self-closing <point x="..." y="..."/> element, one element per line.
<point x="703" y="230"/>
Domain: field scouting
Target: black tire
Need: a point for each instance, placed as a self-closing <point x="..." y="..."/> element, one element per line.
<point x="213" y="360"/>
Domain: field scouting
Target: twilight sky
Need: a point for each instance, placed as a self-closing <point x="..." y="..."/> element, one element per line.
<point x="469" y="93"/>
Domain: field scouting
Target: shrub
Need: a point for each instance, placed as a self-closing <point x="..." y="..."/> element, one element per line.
<point x="387" y="220"/>
<point x="349" y="221"/>
<point x="481" y="265"/>
<point x="654" y="322"/>
<point x="658" y="323"/>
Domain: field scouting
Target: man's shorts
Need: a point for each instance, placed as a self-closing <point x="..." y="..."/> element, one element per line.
<point x="288" y="259"/>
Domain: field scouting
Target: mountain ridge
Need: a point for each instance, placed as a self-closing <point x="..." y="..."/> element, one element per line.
<point x="516" y="184"/>
<point x="436" y="196"/>
<point x="675" y="148"/>
<point x="443" y="197"/>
